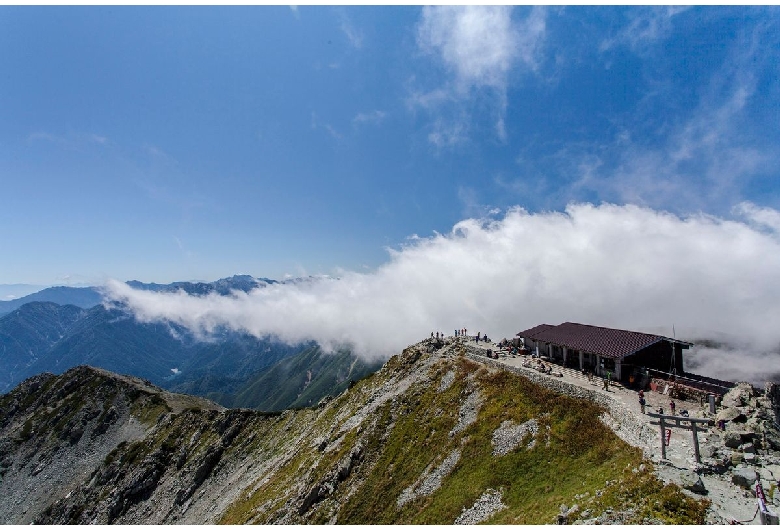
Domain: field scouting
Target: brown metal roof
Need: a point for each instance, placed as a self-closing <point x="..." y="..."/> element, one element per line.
<point x="534" y="330"/>
<point x="607" y="342"/>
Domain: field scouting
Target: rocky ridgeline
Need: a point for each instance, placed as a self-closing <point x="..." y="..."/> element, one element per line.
<point x="749" y="447"/>
<point x="431" y="438"/>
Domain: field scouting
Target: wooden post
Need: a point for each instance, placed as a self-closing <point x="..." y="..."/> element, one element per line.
<point x="663" y="437"/>
<point x="695" y="442"/>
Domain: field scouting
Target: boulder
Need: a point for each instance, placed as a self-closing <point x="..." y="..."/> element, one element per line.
<point x="770" y="472"/>
<point x="754" y="425"/>
<point x="744" y="477"/>
<point x="747" y="448"/>
<point x="739" y="396"/>
<point x="728" y="414"/>
<point x="708" y="450"/>
<point x="732" y="439"/>
<point x="772" y="440"/>
<point x="692" y="482"/>
<point x="717" y="466"/>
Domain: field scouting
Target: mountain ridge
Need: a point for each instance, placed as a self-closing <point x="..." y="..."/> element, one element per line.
<point x="431" y="438"/>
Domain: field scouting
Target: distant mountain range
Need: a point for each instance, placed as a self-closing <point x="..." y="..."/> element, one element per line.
<point x="84" y="297"/>
<point x="87" y="297"/>
<point x="223" y="286"/>
<point x="234" y="369"/>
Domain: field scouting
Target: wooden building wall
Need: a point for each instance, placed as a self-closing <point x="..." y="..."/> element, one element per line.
<point x="657" y="356"/>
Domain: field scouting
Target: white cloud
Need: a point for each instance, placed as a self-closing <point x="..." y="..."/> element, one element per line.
<point x="477" y="43"/>
<point x="623" y="266"/>
<point x="764" y="217"/>
<point x="478" y="47"/>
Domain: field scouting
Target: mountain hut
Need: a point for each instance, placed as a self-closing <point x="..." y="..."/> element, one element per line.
<point x="600" y="349"/>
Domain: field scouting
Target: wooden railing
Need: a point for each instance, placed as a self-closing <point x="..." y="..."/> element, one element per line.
<point x="706" y="384"/>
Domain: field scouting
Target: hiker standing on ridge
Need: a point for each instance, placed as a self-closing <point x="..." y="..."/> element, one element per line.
<point x="478" y="334"/>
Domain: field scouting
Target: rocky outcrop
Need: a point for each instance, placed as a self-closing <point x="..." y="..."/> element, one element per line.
<point x="510" y="435"/>
<point x="488" y="504"/>
<point x="430" y="480"/>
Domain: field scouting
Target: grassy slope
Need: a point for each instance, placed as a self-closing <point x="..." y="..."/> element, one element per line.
<point x="402" y="439"/>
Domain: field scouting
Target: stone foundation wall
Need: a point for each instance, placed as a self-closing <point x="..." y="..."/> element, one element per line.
<point x="622" y="421"/>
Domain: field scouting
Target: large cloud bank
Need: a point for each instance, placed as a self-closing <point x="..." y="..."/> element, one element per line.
<point x="618" y="266"/>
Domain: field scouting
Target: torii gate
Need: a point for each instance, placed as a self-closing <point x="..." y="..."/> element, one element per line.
<point x="663" y="418"/>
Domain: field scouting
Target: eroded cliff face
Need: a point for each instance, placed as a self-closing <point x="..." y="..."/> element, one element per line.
<point x="431" y="438"/>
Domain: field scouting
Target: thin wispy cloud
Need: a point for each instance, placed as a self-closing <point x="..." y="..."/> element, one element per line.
<point x="646" y="27"/>
<point x="708" y="158"/>
<point x="702" y="156"/>
<point x="622" y="266"/>
<point x="158" y="155"/>
<point x="70" y="140"/>
<point x="374" y="117"/>
<point x="317" y="124"/>
<point x="354" y="35"/>
<point x="448" y="133"/>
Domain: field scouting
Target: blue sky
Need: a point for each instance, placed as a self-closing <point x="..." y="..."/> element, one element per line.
<point x="175" y="143"/>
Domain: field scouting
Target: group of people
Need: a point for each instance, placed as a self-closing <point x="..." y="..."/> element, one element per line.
<point x="540" y="366"/>
<point x="464" y="333"/>
<point x="672" y="406"/>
